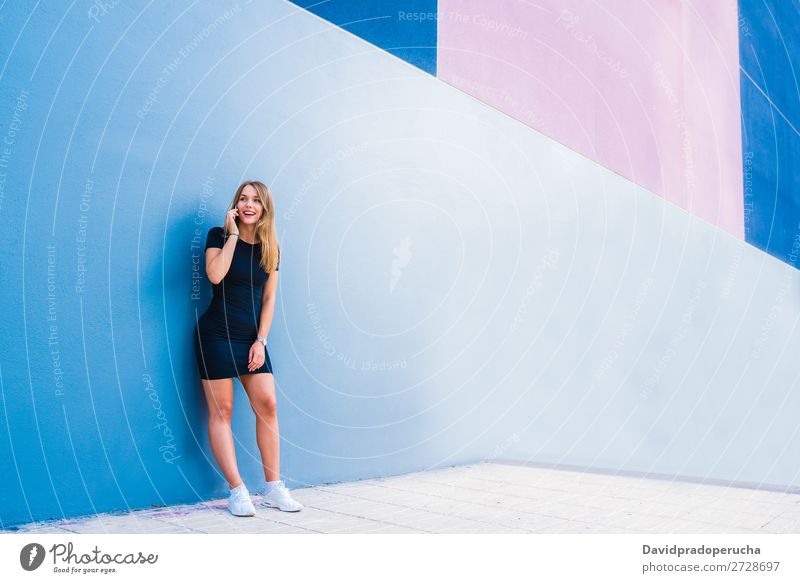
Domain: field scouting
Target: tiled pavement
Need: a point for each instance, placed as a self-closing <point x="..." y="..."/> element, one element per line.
<point x="487" y="497"/>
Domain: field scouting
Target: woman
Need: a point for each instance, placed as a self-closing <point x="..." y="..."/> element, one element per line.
<point x="231" y="340"/>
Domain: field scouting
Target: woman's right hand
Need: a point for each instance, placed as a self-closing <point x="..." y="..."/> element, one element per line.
<point x="230" y="222"/>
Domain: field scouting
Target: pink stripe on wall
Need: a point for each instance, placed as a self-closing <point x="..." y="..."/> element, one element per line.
<point x="649" y="90"/>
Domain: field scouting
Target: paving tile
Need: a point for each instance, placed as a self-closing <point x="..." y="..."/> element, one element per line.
<point x="533" y="522"/>
<point x="454" y="524"/>
<point x="99" y="526"/>
<point x="730" y="518"/>
<point x="494" y="529"/>
<point x="682" y="526"/>
<point x="757" y="507"/>
<point x="489" y="529"/>
<point x="418" y="519"/>
<point x="782" y="525"/>
<point x="349" y="524"/>
<point x="254" y="525"/>
<point x="413" y="498"/>
<point x="367" y="509"/>
<point x="597" y="529"/>
<point x="573" y="528"/>
<point x="369" y="528"/>
<point x="739" y="495"/>
<point x="389" y="529"/>
<point x="550" y="525"/>
<point x="791" y="511"/>
<point x="42" y="530"/>
<point x="430" y="493"/>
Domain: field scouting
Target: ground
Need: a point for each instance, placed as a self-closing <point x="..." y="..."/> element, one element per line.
<point x="487" y="497"/>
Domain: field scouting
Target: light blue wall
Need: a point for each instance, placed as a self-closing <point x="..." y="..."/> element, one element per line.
<point x="503" y="278"/>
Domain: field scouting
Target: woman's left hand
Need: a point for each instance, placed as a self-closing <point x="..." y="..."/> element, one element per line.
<point x="256" y="357"/>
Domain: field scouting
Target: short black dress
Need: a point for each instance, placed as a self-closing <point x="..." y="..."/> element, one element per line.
<point x="227" y="329"/>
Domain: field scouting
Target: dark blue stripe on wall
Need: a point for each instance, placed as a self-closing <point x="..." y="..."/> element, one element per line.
<point x="769" y="52"/>
<point x="405" y="28"/>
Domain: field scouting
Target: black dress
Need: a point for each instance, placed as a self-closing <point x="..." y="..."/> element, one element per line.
<point x="228" y="328"/>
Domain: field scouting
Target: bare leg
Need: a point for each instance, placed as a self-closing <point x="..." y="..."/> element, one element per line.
<point x="260" y="389"/>
<point x="219" y="396"/>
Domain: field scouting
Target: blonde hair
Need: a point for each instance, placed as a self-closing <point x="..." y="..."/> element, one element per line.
<point x="265" y="227"/>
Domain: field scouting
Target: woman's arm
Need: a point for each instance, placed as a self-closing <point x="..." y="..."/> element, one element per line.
<point x="268" y="304"/>
<point x="218" y="258"/>
<point x="218" y="261"/>
<point x="257" y="349"/>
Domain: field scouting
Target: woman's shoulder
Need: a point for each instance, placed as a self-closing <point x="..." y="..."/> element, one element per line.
<point x="217" y="233"/>
<point x="215" y="237"/>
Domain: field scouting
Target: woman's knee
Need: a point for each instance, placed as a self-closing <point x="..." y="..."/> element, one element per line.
<point x="265" y="405"/>
<point x="221" y="411"/>
<point x="219" y="397"/>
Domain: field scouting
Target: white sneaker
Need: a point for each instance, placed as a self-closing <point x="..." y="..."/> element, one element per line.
<point x="279" y="497"/>
<point x="239" y="502"/>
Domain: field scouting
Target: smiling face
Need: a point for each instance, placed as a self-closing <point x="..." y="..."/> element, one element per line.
<point x="249" y="205"/>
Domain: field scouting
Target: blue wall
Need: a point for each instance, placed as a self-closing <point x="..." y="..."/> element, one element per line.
<point x="404" y="28"/>
<point x="769" y="47"/>
<point x="127" y="127"/>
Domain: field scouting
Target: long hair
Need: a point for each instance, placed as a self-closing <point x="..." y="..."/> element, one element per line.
<point x="265" y="227"/>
